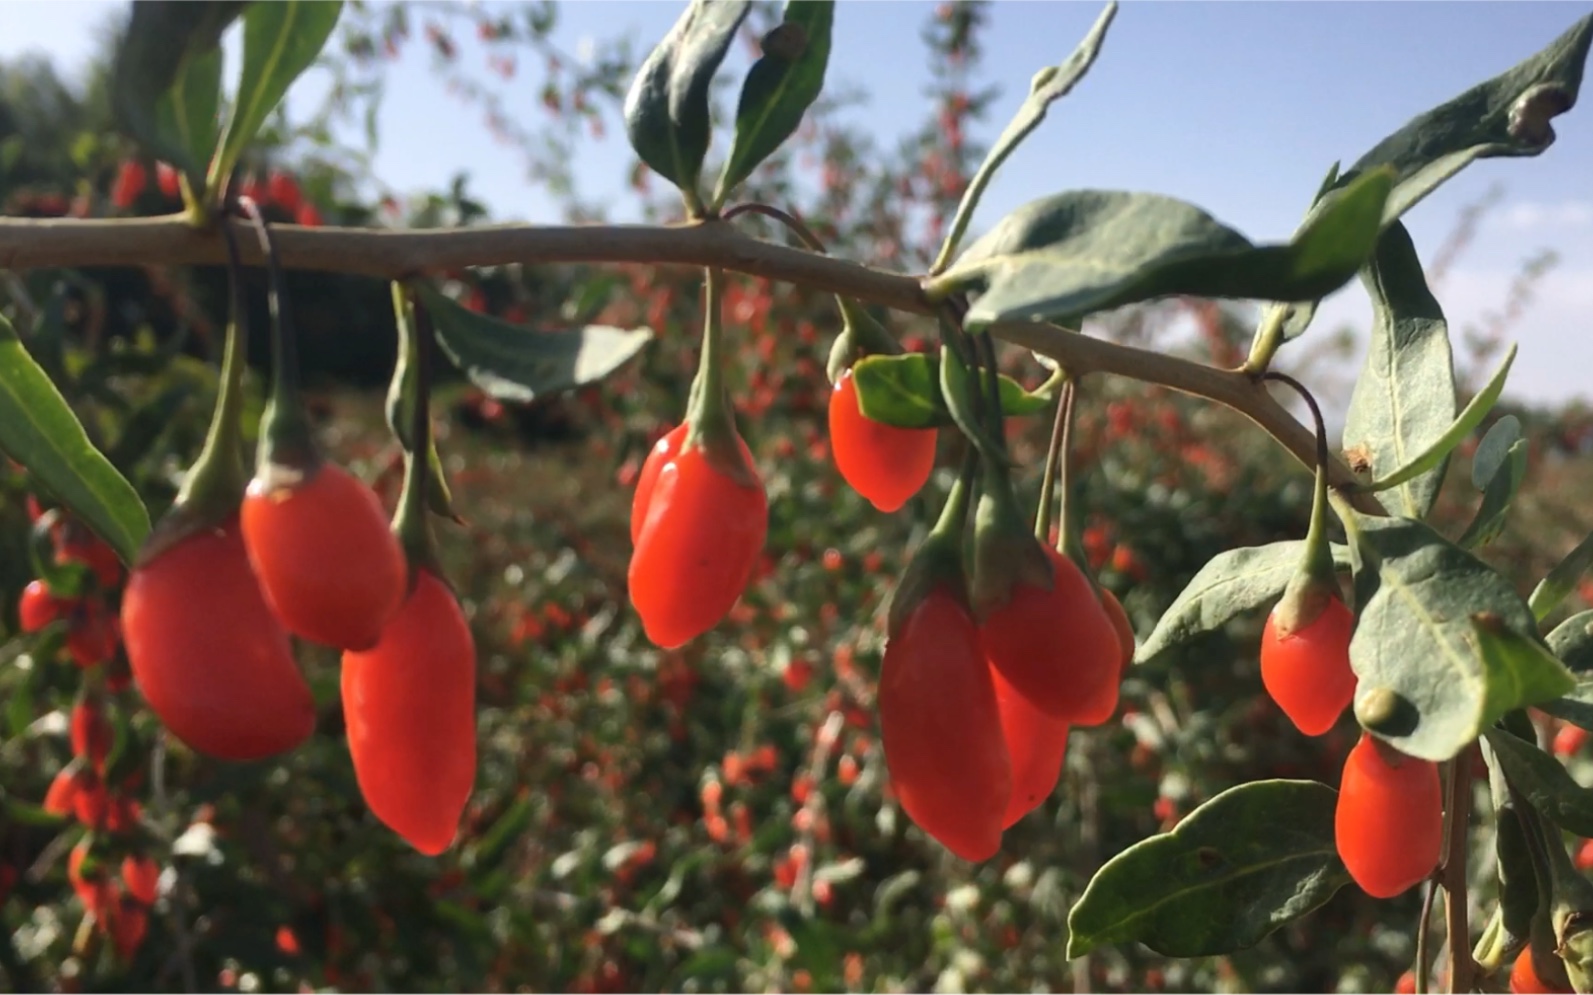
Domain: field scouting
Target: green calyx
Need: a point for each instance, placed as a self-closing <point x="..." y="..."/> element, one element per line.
<point x="1571" y="916"/>
<point x="860" y="336"/>
<point x="1005" y="552"/>
<point x="938" y="561"/>
<point x="710" y="415"/>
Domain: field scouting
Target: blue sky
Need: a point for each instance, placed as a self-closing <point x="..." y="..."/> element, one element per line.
<point x="1237" y="107"/>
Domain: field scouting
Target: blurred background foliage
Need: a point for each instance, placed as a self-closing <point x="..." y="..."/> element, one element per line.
<point x="710" y="819"/>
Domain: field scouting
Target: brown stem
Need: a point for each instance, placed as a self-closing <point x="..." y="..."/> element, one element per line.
<point x="32" y="243"/>
<point x="1462" y="969"/>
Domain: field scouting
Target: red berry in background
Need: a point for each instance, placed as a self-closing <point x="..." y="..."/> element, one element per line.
<point x="77" y="545"/>
<point x="326" y="560"/>
<point x="1584" y="856"/>
<point x="699" y="543"/>
<point x="885" y="464"/>
<point x="61" y="798"/>
<point x="141" y="878"/>
<point x="92" y="887"/>
<point x="38" y="607"/>
<point x="168" y="180"/>
<point x="129" y="924"/>
<point x="1389" y="822"/>
<point x="122" y="814"/>
<point x="93" y="637"/>
<point x="663" y="451"/>
<point x="1406" y="985"/>
<point x="1308" y="671"/>
<point x="206" y="651"/>
<point x="131" y="179"/>
<point x="1037" y="745"/>
<point x="283" y="191"/>
<point x="940" y="727"/>
<point x="1569" y="740"/>
<point x="410" y="703"/>
<point x="308" y="215"/>
<point x="90" y="800"/>
<point x="1057" y="648"/>
<point x="1524" y="976"/>
<point x="91" y="732"/>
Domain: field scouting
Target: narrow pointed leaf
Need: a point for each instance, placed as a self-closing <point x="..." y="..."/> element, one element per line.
<point x="667" y="115"/>
<point x="1404" y="399"/>
<point x="1231" y="584"/>
<point x="165" y="80"/>
<point x="1049" y="85"/>
<point x="1464" y="424"/>
<point x="280" y="41"/>
<point x="958" y="387"/>
<point x="1544" y="782"/>
<point x="1561" y="580"/>
<point x="1077" y="253"/>
<point x="779" y="88"/>
<point x="1415" y="639"/>
<point x="904" y="391"/>
<point x="1493" y="452"/>
<point x="39" y="431"/>
<point x="1250" y="860"/>
<point x="1572" y="642"/>
<point x="513" y="363"/>
<point x="1496" y="500"/>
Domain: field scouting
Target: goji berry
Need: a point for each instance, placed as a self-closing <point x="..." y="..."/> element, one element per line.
<point x="1569" y="740"/>
<point x="663" y="451"/>
<point x="328" y="564"/>
<point x="90" y="731"/>
<point x="129" y="923"/>
<point x="1037" y="745"/>
<point x="38" y="607"/>
<point x="941" y="727"/>
<point x="283" y="190"/>
<point x="1524" y="976"/>
<point x="141" y="877"/>
<point x="885" y="464"/>
<point x="167" y="179"/>
<point x="61" y="798"/>
<point x="1307" y="672"/>
<point x="410" y="702"/>
<point x="93" y="637"/>
<point x="131" y="178"/>
<point x="206" y="651"/>
<point x="1389" y="821"/>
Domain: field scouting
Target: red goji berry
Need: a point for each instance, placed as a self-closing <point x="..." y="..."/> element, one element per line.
<point x="283" y="191"/>
<point x="141" y="877"/>
<point x="1037" y="745"/>
<point x="131" y="178"/>
<point x="168" y="180"/>
<point x="38" y="607"/>
<point x="663" y="451"/>
<point x="1389" y="822"/>
<point x="1524" y="977"/>
<point x="90" y="731"/>
<point x="885" y="464"/>
<point x="1308" y="671"/>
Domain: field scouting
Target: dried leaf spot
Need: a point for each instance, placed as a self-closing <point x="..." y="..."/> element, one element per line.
<point x="1209" y="857"/>
<point x="1359" y="458"/>
<point x="786" y="42"/>
<point x="1531" y="113"/>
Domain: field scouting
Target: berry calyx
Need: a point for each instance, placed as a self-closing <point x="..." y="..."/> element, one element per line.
<point x="410" y="705"/>
<point x="1037" y="745"/>
<point x="1307" y="671"/>
<point x="885" y="464"/>
<point x="328" y="564"/>
<point x="208" y="653"/>
<point x="941" y="730"/>
<point x="1388" y="825"/>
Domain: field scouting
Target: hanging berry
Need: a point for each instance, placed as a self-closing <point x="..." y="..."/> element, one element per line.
<point x="1037" y="745"/>
<point x="1389" y="823"/>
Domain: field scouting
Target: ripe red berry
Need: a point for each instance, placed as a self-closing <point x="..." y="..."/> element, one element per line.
<point x="1308" y="671"/>
<point x="663" y="451"/>
<point x="699" y="541"/>
<point x="93" y="637"/>
<point x="1524" y="976"/>
<point x="141" y="876"/>
<point x="38" y="607"/>
<point x="90" y="800"/>
<point x="1389" y="821"/>
<point x="308" y="215"/>
<point x="326" y="560"/>
<point x="93" y="889"/>
<point x="1057" y="647"/>
<point x="410" y="703"/>
<point x="168" y="180"/>
<point x="131" y="179"/>
<point x="885" y="464"/>
<point x="208" y="654"/>
<point x="1037" y="745"/>
<point x="91" y="732"/>
<point x="940" y="727"/>
<point x="1569" y="740"/>
<point x="129" y="923"/>
<point x="283" y="191"/>
<point x="61" y="798"/>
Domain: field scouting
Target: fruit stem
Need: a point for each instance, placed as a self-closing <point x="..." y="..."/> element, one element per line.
<point x="1317" y="563"/>
<point x="286" y="438"/>
<point x="792" y="223"/>
<point x="1053" y="459"/>
<point x="217" y="478"/>
<point x="1423" y="931"/>
<point x="410" y="522"/>
<point x="710" y="416"/>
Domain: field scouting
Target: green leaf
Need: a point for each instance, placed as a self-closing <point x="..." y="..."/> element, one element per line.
<point x="1074" y="254"/>
<point x="1490" y="518"/>
<point x="904" y="391"/>
<point x="1572" y="642"/>
<point x="667" y="115"/>
<point x="1250" y="860"/>
<point x="522" y="364"/>
<point x="160" y="72"/>
<point x="1545" y="784"/>
<point x="281" y="40"/>
<point x="1049" y="85"/>
<point x="1437" y="452"/>
<point x="1508" y="115"/>
<point x="189" y="112"/>
<point x="959" y="385"/>
<point x="39" y="430"/>
<point x="1404" y="399"/>
<point x="779" y="88"/>
<point x="1438" y="676"/>
<point x="1561" y="580"/>
<point x="1231" y="584"/>
<point x="1494" y="450"/>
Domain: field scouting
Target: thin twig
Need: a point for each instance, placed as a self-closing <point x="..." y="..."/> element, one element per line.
<point x="1453" y="877"/>
<point x="32" y="243"/>
<point x="1423" y="931"/>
